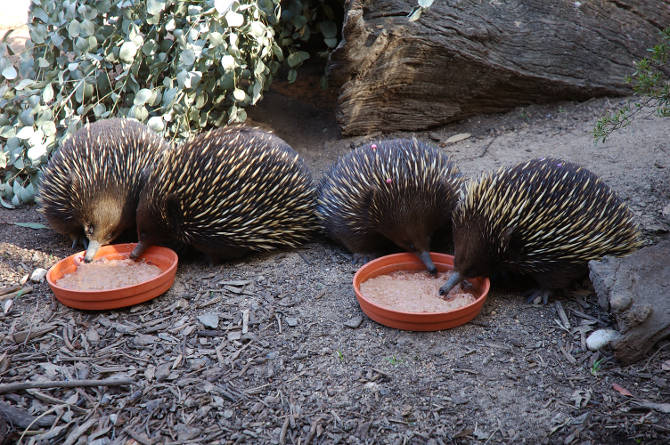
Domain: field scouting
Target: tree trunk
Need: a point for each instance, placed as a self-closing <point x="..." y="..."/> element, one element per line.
<point x="474" y="56"/>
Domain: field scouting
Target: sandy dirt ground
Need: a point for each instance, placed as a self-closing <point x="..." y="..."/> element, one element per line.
<point x="311" y="367"/>
<point x="300" y="374"/>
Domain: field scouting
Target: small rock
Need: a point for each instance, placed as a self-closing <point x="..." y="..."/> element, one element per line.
<point x="292" y="321"/>
<point x="666" y="211"/>
<point x="163" y="371"/>
<point x="92" y="335"/>
<point x="457" y="138"/>
<point x="150" y="372"/>
<point x="227" y="413"/>
<point x="601" y="338"/>
<point x="38" y="275"/>
<point x="145" y="340"/>
<point x="354" y="322"/>
<point x="234" y="335"/>
<point x="210" y="320"/>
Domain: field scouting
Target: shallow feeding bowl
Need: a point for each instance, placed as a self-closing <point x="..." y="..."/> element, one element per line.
<point x="417" y="321"/>
<point x="163" y="257"/>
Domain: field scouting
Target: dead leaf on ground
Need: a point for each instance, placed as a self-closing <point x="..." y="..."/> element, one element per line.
<point x="621" y="390"/>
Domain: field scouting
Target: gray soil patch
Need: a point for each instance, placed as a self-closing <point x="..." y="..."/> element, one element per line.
<point x="304" y="371"/>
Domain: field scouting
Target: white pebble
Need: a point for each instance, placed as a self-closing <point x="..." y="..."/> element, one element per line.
<point x="38" y="275"/>
<point x="600" y="338"/>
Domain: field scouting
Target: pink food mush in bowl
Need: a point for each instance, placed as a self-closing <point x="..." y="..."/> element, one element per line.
<point x="408" y="313"/>
<point x="122" y="294"/>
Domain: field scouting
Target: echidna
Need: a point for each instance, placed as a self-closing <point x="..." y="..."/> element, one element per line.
<point x="545" y="218"/>
<point x="90" y="187"/>
<point x="228" y="192"/>
<point x="401" y="190"/>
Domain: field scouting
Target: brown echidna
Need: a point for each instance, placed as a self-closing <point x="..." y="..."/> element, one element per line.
<point x="401" y="190"/>
<point x="545" y="218"/>
<point x="90" y="187"/>
<point x="228" y="192"/>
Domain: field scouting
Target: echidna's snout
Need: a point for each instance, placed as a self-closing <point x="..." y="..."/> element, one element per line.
<point x="91" y="250"/>
<point x="453" y="280"/>
<point x="424" y="256"/>
<point x="138" y="250"/>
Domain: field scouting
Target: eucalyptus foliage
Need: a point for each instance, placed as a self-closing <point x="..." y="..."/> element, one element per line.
<point x="179" y="66"/>
<point x="650" y="83"/>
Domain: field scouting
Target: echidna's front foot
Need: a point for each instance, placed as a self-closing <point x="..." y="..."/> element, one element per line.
<point x="537" y="296"/>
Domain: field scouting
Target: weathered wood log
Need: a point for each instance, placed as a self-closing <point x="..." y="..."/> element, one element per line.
<point x="471" y="56"/>
<point x="634" y="289"/>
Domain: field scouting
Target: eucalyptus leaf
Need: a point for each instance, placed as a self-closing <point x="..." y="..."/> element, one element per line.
<point x="31" y="225"/>
<point x="156" y="123"/>
<point x="222" y="6"/>
<point x="228" y="62"/>
<point x="142" y="96"/>
<point x="9" y="73"/>
<point x="155" y="7"/>
<point x="25" y="132"/>
<point x="239" y="95"/>
<point x="234" y="19"/>
<point x="127" y="52"/>
<point x="328" y="29"/>
<point x="296" y="58"/>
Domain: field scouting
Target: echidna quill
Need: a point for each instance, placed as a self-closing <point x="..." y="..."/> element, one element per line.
<point x="399" y="190"/>
<point x="228" y="192"/>
<point x="90" y="187"/>
<point x="545" y="218"/>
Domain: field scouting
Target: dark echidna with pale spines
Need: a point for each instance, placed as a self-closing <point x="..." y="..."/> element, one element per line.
<point x="398" y="190"/>
<point x="90" y="187"/>
<point x="545" y="218"/>
<point x="228" y="192"/>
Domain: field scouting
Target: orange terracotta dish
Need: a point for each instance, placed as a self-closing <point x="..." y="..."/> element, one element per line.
<point x="395" y="290"/>
<point x="77" y="289"/>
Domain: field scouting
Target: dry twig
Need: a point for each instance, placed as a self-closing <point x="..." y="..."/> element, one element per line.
<point x="12" y="387"/>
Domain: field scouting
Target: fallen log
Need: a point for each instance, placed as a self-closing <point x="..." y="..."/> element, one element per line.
<point x="468" y="57"/>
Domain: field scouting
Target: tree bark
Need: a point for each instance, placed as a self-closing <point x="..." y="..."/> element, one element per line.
<point x="473" y="56"/>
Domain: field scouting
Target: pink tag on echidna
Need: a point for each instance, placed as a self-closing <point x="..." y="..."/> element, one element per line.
<point x="373" y="147"/>
<point x="389" y="180"/>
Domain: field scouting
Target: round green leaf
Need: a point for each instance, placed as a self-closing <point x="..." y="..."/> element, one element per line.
<point x="296" y="58"/>
<point x="25" y="132"/>
<point x="73" y="29"/>
<point x="127" y="52"/>
<point x="142" y="96"/>
<point x="239" y="94"/>
<point x="156" y="123"/>
<point x="9" y="73"/>
<point x="228" y="62"/>
<point x="234" y="19"/>
<point x="328" y="29"/>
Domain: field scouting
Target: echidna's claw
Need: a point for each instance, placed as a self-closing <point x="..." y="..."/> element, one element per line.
<point x="537" y="296"/>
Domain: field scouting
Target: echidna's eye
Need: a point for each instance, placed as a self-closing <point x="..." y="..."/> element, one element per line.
<point x="89" y="230"/>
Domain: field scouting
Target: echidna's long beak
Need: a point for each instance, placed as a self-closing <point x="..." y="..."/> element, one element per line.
<point x="453" y="280"/>
<point x="425" y="258"/>
<point x="91" y="250"/>
<point x="138" y="250"/>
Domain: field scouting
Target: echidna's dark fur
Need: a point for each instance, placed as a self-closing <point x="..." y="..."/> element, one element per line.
<point x="91" y="185"/>
<point x="228" y="192"/>
<point x="545" y="218"/>
<point x="401" y="190"/>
